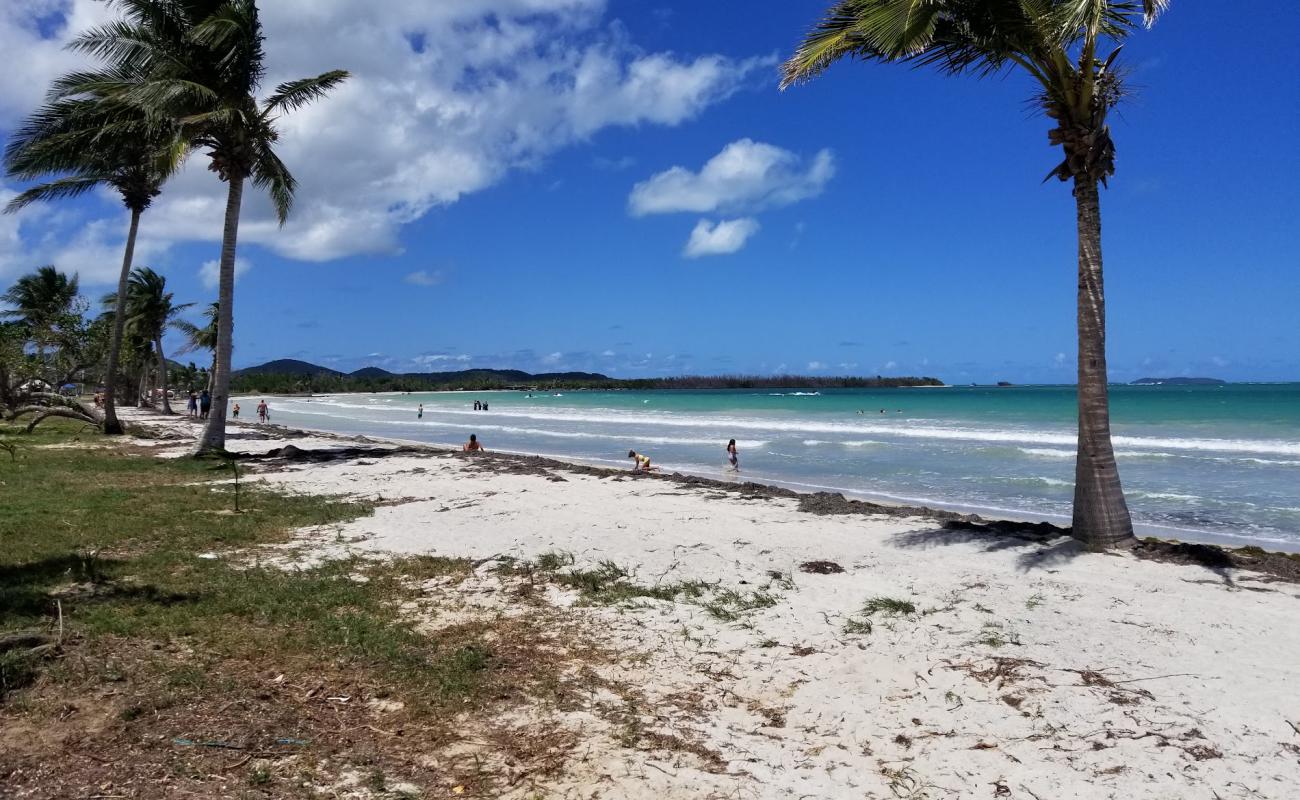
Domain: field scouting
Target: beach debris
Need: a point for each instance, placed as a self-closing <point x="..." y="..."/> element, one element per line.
<point x="821" y="568"/>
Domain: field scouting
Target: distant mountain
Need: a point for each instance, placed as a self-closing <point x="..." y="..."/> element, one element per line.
<point x="291" y="376"/>
<point x="286" y="366"/>
<point x="370" y="372"/>
<point x="1178" y="382"/>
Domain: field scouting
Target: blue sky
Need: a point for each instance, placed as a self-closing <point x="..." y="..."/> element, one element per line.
<point x="460" y="210"/>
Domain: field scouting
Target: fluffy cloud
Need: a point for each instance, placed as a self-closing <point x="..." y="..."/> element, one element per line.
<point x="210" y="272"/>
<point x="446" y="98"/>
<point x="720" y="238"/>
<point x="746" y="176"/>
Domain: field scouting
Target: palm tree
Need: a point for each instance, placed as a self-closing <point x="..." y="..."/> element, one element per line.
<point x="38" y="302"/>
<point x="202" y="338"/>
<point x="203" y="60"/>
<point x="149" y="312"/>
<point x="89" y="142"/>
<point x="1057" y="42"/>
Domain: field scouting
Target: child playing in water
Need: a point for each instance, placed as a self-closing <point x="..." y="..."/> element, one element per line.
<point x="733" y="455"/>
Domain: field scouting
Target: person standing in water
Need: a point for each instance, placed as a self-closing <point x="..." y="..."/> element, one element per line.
<point x="263" y="412"/>
<point x="733" y="455"/>
<point x="419" y="414"/>
<point x="236" y="410"/>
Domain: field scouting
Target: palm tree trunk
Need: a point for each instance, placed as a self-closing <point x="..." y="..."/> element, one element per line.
<point x="214" y="435"/>
<point x="111" y="425"/>
<point x="162" y="375"/>
<point x="1101" y="518"/>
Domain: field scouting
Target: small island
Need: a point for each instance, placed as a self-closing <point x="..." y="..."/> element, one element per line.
<point x="1178" y="382"/>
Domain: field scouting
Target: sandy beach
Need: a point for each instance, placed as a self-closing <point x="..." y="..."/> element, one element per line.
<point x="988" y="665"/>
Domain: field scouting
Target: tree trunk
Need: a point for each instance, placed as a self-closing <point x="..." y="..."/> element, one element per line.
<point x="214" y="435"/>
<point x="142" y="397"/>
<point x="111" y="425"/>
<point x="1101" y="518"/>
<point x="162" y="375"/>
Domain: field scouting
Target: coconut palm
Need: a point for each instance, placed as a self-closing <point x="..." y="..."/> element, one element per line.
<point x="204" y="61"/>
<point x="88" y="142"/>
<point x="204" y="337"/>
<point x="1059" y="43"/>
<point x="150" y="311"/>
<point x="38" y="301"/>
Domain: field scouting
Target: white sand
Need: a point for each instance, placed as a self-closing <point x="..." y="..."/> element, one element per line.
<point x="1206" y="664"/>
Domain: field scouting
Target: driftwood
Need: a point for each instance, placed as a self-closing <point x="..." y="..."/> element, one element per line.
<point x="54" y="405"/>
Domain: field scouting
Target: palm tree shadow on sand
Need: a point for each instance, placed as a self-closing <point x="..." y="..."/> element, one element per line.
<point x="1051" y="546"/>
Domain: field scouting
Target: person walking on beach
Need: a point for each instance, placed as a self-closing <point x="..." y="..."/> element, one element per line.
<point x="263" y="412"/>
<point x="235" y="410"/>
<point x="733" y="455"/>
<point x="205" y="404"/>
<point x="419" y="413"/>
<point x="640" y="463"/>
<point x="192" y="405"/>
<point x="473" y="446"/>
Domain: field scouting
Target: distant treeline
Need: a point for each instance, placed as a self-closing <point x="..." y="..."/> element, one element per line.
<point x="485" y="380"/>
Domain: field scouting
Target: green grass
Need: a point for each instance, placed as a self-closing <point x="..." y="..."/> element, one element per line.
<point x="888" y="606"/>
<point x="115" y="535"/>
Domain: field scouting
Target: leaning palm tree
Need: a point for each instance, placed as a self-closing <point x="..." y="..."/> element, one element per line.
<point x="1058" y="43"/>
<point x="150" y="311"/>
<point x="203" y="60"/>
<point x="88" y="141"/>
<point x="38" y="301"/>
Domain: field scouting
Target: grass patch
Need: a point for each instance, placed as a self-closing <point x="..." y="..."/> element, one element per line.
<point x="889" y="606"/>
<point x="728" y="605"/>
<point x="854" y="626"/>
<point x="161" y="645"/>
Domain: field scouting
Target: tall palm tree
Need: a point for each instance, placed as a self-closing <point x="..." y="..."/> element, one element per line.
<point x="1058" y="43"/>
<point x="204" y="61"/>
<point x="38" y="301"/>
<point x="150" y="310"/>
<point x="88" y="141"/>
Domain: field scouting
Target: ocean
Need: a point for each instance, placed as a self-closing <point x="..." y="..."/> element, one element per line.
<point x="1206" y="463"/>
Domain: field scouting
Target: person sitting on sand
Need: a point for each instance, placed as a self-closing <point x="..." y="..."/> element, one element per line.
<point x="640" y="463"/>
<point x="733" y="455"/>
<point x="473" y="446"/>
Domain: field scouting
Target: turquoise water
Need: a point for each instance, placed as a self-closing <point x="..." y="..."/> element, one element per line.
<point x="1197" y="462"/>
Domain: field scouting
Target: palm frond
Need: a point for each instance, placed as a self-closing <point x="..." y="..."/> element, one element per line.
<point x="296" y="94"/>
<point x="271" y="174"/>
<point x="60" y="189"/>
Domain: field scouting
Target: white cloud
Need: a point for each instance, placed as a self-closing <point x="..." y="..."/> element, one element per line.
<point x="210" y="272"/>
<point x="424" y="277"/>
<point x="746" y="176"/>
<point x="553" y="358"/>
<point x="609" y="354"/>
<point x="816" y="366"/>
<point x="727" y="236"/>
<point x="441" y="358"/>
<point x="891" y="364"/>
<point x="1059" y="359"/>
<point x="446" y="98"/>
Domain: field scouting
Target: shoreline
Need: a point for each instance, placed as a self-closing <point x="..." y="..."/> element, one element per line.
<point x="938" y="510"/>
